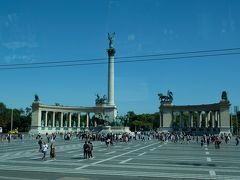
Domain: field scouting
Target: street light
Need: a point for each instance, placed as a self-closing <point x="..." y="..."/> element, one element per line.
<point x="12" y="120"/>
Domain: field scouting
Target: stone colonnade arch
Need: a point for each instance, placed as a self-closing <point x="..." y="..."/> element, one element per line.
<point x="57" y="118"/>
<point x="214" y="117"/>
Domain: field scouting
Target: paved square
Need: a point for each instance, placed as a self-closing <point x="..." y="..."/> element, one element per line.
<point x="134" y="160"/>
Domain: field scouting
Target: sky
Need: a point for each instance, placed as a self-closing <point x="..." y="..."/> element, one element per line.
<point x="63" y="30"/>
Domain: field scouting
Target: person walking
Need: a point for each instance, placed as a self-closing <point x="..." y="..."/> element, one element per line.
<point x="237" y="141"/>
<point x="44" y="150"/>
<point x="90" y="155"/>
<point x="53" y="151"/>
<point x="85" y="150"/>
<point x="40" y="144"/>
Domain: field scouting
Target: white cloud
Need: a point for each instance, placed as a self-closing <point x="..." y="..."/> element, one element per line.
<point x="21" y="58"/>
<point x="17" y="45"/>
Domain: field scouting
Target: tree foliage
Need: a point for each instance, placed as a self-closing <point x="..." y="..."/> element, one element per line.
<point x="21" y="118"/>
<point x="143" y="122"/>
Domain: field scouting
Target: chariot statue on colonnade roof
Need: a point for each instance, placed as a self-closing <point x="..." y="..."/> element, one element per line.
<point x="100" y="100"/>
<point x="168" y="98"/>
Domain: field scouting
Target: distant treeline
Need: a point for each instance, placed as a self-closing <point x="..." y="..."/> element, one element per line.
<point x="21" y="118"/>
<point x="143" y="122"/>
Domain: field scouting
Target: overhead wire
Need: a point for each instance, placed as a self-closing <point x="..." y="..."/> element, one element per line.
<point x="49" y="64"/>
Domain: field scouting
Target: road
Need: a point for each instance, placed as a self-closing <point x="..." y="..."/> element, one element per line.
<point x="135" y="160"/>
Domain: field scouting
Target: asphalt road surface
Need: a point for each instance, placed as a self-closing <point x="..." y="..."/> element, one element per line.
<point x="136" y="160"/>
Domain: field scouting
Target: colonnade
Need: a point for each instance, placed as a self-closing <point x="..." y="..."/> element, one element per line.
<point x="199" y="119"/>
<point x="55" y="119"/>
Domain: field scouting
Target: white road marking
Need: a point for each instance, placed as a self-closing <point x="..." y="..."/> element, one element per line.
<point x="110" y="152"/>
<point x="123" y="154"/>
<point x="205" y="145"/>
<point x="141" y="154"/>
<point x="100" y="150"/>
<point x="152" y="149"/>
<point x="81" y="160"/>
<point x="209" y="159"/>
<point x="126" y="160"/>
<point x="160" y="146"/>
<point x="36" y="158"/>
<point x="81" y="167"/>
<point x="17" y="178"/>
<point x="212" y="173"/>
<point x="127" y="148"/>
<point x="207" y="153"/>
<point x="206" y="149"/>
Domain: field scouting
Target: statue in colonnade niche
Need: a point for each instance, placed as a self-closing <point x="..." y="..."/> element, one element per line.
<point x="57" y="124"/>
<point x="74" y="123"/>
<point x="42" y="123"/>
<point x="49" y="123"/>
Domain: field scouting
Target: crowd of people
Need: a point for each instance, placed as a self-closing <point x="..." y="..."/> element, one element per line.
<point x="47" y="141"/>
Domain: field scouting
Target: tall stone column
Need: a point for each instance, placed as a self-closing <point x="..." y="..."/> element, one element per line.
<point x="39" y="118"/>
<point x="87" y="120"/>
<point x="191" y="119"/>
<point x="111" y="52"/>
<point x="200" y="118"/>
<point x="212" y="119"/>
<point x="70" y="119"/>
<point x="53" y="125"/>
<point x="218" y="119"/>
<point x="46" y="120"/>
<point x="79" y="120"/>
<point x="61" y="123"/>
<point x="206" y="119"/>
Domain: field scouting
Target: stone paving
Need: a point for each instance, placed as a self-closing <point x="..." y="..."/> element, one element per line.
<point x="148" y="159"/>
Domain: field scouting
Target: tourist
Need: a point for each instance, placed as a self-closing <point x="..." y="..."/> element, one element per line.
<point x="202" y="142"/>
<point x="40" y="144"/>
<point x="90" y="155"/>
<point x="85" y="150"/>
<point x="9" y="138"/>
<point x="237" y="140"/>
<point x="107" y="142"/>
<point x="52" y="151"/>
<point x="44" y="150"/>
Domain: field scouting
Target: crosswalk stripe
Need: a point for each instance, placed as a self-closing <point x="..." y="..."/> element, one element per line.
<point x="81" y="167"/>
<point x="124" y="161"/>
<point x="142" y="154"/>
<point x="110" y="152"/>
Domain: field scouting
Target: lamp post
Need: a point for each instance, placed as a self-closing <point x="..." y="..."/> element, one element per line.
<point x="12" y="120"/>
